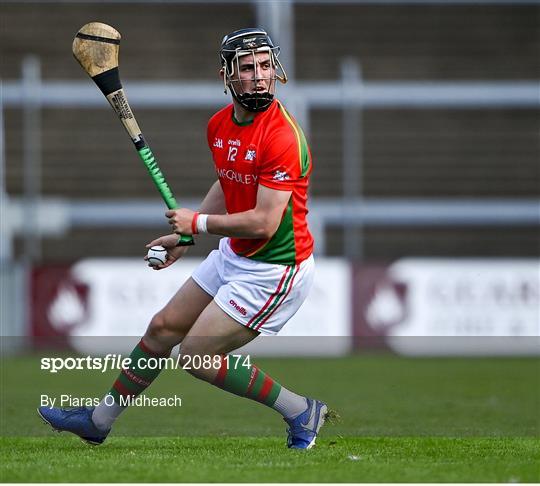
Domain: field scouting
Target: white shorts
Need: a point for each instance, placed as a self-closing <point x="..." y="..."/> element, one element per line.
<point x="258" y="295"/>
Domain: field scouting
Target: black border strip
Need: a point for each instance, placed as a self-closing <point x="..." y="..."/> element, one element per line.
<point x="109" y="81"/>
<point x="97" y="38"/>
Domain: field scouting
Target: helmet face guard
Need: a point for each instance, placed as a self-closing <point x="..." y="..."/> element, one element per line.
<point x="249" y="42"/>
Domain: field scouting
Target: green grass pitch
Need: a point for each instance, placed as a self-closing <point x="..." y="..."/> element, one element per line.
<point x="402" y="420"/>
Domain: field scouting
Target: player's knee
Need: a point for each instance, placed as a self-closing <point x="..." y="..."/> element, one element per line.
<point x="195" y="358"/>
<point x="187" y="352"/>
<point x="161" y="327"/>
<point x="157" y="326"/>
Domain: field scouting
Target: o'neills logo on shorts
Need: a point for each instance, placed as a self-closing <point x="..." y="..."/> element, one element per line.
<point x="242" y="310"/>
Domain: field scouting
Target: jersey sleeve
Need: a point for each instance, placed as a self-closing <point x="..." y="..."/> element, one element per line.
<point x="211" y="130"/>
<point x="280" y="164"/>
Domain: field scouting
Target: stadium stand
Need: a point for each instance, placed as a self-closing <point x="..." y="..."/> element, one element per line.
<point x="406" y="153"/>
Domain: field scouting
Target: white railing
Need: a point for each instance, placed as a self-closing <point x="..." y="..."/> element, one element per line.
<point x="57" y="216"/>
<point x="350" y="94"/>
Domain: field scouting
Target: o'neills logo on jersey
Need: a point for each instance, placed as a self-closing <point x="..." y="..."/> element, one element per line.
<point x="240" y="309"/>
<point x="232" y="175"/>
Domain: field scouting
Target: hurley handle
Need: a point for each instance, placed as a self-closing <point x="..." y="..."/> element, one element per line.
<point x="146" y="155"/>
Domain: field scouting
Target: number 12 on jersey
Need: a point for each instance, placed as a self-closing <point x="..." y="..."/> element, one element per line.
<point x="232" y="154"/>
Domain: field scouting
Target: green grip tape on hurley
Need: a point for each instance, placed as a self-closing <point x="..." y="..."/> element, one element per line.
<point x="159" y="180"/>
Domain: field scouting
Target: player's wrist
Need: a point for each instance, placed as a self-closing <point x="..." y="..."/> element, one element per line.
<point x="202" y="222"/>
<point x="199" y="223"/>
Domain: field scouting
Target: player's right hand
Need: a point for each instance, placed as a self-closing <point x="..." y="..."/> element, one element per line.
<point x="174" y="252"/>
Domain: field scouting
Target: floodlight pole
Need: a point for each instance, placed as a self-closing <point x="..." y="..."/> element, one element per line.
<point x="278" y="19"/>
<point x="352" y="177"/>
<point x="6" y="233"/>
<point x="31" y="74"/>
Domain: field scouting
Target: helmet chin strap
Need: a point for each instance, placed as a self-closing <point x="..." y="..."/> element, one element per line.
<point x="254" y="102"/>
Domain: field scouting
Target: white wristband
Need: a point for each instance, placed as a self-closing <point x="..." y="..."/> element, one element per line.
<point x="201" y="223"/>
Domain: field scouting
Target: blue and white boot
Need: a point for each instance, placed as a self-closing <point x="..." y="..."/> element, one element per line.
<point x="303" y="430"/>
<point x="78" y="421"/>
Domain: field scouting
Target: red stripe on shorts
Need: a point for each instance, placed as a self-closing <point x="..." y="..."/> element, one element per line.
<point x="279" y="303"/>
<point x="270" y="298"/>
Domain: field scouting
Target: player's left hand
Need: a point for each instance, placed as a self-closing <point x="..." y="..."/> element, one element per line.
<point x="180" y="220"/>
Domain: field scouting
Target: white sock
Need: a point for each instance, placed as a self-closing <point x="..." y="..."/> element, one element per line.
<point x="289" y="404"/>
<point x="106" y="413"/>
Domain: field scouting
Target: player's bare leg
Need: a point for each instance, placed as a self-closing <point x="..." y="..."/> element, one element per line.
<point x="166" y="329"/>
<point x="216" y="333"/>
<point x="212" y="337"/>
<point x="172" y="323"/>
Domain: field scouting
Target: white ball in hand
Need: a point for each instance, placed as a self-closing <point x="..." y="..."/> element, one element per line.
<point x="157" y="255"/>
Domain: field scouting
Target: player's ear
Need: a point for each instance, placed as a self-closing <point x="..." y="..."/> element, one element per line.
<point x="222" y="73"/>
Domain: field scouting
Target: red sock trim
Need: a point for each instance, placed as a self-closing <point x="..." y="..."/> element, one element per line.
<point x="135" y="378"/>
<point x="265" y="390"/>
<point x="122" y="390"/>
<point x="147" y="350"/>
<point x="219" y="380"/>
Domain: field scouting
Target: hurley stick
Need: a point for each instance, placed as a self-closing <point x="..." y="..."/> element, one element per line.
<point x="96" y="47"/>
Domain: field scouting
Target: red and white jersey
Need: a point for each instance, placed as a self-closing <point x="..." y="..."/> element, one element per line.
<point x="271" y="151"/>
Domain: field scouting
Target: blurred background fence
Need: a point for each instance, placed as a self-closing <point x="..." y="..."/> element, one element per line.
<point x="422" y="116"/>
